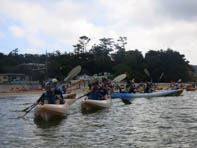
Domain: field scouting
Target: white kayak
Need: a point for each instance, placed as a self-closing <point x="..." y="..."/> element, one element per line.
<point x="88" y="104"/>
<point x="70" y="98"/>
<point x="69" y="95"/>
<point x="49" y="111"/>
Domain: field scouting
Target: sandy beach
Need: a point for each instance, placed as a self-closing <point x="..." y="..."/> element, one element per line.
<point x="35" y="92"/>
<point x="77" y="90"/>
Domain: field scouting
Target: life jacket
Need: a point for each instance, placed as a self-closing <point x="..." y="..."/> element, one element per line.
<point x="97" y="94"/>
<point x="148" y="89"/>
<point x="59" y="92"/>
<point x="50" y="96"/>
<point x="131" y="89"/>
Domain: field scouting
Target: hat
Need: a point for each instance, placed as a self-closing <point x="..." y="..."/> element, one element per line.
<point x="54" y="80"/>
<point x="47" y="84"/>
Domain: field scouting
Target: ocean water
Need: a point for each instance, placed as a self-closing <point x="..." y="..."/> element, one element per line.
<point x="163" y="122"/>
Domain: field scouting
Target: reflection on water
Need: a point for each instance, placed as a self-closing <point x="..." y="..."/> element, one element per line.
<point x="157" y="122"/>
<point x="48" y="124"/>
<point x="92" y="111"/>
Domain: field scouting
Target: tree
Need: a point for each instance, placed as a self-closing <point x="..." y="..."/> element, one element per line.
<point x="119" y="56"/>
<point x="81" y="46"/>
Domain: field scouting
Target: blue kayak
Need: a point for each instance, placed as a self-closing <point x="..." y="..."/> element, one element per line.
<point x="147" y="95"/>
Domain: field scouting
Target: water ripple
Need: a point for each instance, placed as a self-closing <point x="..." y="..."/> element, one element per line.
<point x="157" y="122"/>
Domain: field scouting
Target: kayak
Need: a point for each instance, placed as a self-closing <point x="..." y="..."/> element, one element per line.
<point x="157" y="88"/>
<point x="88" y="104"/>
<point x="70" y="95"/>
<point x="191" y="89"/>
<point x="147" y="95"/>
<point x="70" y="101"/>
<point x="49" y="111"/>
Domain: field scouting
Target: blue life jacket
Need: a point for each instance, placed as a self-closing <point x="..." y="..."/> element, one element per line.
<point x="59" y="89"/>
<point x="50" y="96"/>
<point x="59" y="92"/>
<point x="96" y="95"/>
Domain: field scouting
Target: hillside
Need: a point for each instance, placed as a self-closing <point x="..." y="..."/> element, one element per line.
<point x="195" y="68"/>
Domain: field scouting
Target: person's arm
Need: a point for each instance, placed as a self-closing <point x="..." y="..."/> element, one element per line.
<point x="106" y="97"/>
<point x="58" y="91"/>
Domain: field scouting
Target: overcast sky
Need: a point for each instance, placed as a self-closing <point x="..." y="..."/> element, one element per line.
<point x="35" y="26"/>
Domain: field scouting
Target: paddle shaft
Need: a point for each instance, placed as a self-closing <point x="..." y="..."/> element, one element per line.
<point x="26" y="109"/>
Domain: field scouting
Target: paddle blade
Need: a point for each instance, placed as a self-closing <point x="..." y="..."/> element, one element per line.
<point x="74" y="72"/>
<point x="24" y="110"/>
<point x="126" y="101"/>
<point x="161" y="75"/>
<point x="147" y="72"/>
<point x="120" y="78"/>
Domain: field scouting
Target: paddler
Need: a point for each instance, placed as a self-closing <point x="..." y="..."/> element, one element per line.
<point x="65" y="91"/>
<point x="49" y="96"/>
<point x="148" y="88"/>
<point x="130" y="86"/>
<point x="58" y="91"/>
<point x="97" y="92"/>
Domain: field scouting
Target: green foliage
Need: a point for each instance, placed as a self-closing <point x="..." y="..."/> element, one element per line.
<point x="107" y="56"/>
<point x="121" y="68"/>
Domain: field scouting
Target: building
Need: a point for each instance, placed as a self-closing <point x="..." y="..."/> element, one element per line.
<point x="12" y="77"/>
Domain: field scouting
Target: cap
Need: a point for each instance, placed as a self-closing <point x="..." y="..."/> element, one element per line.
<point x="54" y="80"/>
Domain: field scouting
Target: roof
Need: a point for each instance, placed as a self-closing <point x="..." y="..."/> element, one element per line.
<point x="11" y="74"/>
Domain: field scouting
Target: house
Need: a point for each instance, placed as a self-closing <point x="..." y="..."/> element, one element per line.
<point x="12" y="77"/>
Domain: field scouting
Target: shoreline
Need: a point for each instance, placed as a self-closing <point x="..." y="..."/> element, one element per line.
<point x="77" y="90"/>
<point x="37" y="92"/>
<point x="20" y="93"/>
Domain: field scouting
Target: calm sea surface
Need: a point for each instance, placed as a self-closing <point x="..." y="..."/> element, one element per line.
<point x="169" y="122"/>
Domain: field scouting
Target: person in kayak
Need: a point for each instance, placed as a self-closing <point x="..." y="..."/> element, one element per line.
<point x="130" y="87"/>
<point x="148" y="88"/>
<point x="49" y="96"/>
<point x="58" y="91"/>
<point x="65" y="91"/>
<point x="98" y="93"/>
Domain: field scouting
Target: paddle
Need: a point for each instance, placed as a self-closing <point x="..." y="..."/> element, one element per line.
<point x="161" y="76"/>
<point x="147" y="73"/>
<point x="75" y="71"/>
<point x="26" y="109"/>
<point x="74" y="84"/>
<point x="118" y="79"/>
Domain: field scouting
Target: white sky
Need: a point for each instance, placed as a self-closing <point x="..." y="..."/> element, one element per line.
<point x="35" y="26"/>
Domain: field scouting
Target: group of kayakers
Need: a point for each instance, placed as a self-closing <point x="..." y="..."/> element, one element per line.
<point x="132" y="88"/>
<point x="98" y="90"/>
